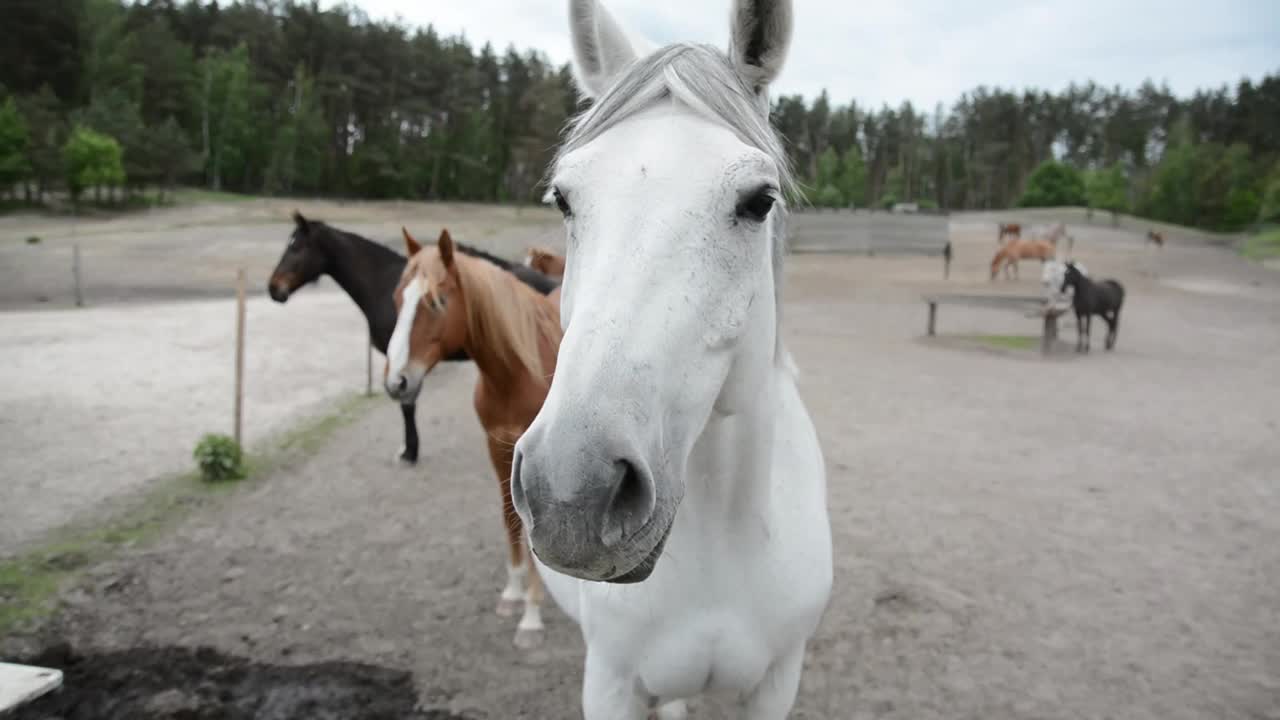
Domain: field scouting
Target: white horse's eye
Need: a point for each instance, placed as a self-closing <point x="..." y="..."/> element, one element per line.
<point x="757" y="205"/>
<point x="561" y="202"/>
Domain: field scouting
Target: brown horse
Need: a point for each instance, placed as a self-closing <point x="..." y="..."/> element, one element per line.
<point x="545" y="262"/>
<point x="1009" y="254"/>
<point x="1013" y="230"/>
<point x="1155" y="237"/>
<point x="446" y="301"/>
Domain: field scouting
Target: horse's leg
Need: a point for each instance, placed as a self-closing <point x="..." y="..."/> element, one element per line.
<point x="1088" y="332"/>
<point x="530" y="630"/>
<point x="608" y="695"/>
<point x="773" y="697"/>
<point x="409" y="453"/>
<point x="1079" y="332"/>
<point x="1113" y="327"/>
<point x="513" y="593"/>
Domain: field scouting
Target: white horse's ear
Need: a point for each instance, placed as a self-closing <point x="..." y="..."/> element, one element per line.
<point x="600" y="47"/>
<point x="759" y="38"/>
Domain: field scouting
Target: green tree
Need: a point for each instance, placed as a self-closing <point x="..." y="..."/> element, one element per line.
<point x="1172" y="196"/>
<point x="1269" y="205"/>
<point x="853" y="177"/>
<point x="1053" y="184"/>
<point x="113" y="113"/>
<point x="47" y="130"/>
<point x="829" y="196"/>
<point x="1108" y="190"/>
<point x="92" y="160"/>
<point x="14" y="166"/>
<point x="828" y="170"/>
<point x="173" y="155"/>
<point x="227" y="124"/>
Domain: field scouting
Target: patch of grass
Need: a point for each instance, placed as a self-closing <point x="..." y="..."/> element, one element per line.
<point x="30" y="582"/>
<point x="1008" y="342"/>
<point x="33" y="239"/>
<point x="1263" y="246"/>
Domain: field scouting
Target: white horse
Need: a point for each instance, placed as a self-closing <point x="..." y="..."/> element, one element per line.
<point x="672" y="485"/>
<point x="1052" y="276"/>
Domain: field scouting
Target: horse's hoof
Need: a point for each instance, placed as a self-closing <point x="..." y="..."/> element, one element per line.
<point x="529" y="638"/>
<point x="507" y="607"/>
<point x="406" y="457"/>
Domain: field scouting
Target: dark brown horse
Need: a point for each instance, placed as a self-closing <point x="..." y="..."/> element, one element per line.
<point x="1103" y="298"/>
<point x="1155" y="237"/>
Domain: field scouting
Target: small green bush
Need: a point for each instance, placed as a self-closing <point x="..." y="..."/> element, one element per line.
<point x="220" y="458"/>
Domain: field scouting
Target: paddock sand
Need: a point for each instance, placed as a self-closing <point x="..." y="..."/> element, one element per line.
<point x="1078" y="537"/>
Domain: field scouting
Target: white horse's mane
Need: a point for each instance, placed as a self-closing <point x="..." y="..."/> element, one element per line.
<point x="704" y="79"/>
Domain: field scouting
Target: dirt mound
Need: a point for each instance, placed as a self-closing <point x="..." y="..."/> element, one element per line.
<point x="202" y="684"/>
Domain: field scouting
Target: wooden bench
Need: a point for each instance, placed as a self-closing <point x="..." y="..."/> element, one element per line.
<point x="1030" y="305"/>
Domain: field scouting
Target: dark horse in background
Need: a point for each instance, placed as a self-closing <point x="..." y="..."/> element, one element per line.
<point x="1091" y="298"/>
<point x="369" y="272"/>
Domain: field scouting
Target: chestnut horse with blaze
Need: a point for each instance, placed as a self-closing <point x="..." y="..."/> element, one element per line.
<point x="445" y="302"/>
<point x="545" y="262"/>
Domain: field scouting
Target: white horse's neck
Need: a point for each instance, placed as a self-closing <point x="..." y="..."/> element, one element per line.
<point x="729" y="473"/>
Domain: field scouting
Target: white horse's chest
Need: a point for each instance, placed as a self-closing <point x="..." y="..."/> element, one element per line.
<point x="720" y="609"/>
<point x="695" y="629"/>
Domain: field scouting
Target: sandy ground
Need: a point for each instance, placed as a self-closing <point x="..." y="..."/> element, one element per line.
<point x="1078" y="537"/>
<point x="100" y="401"/>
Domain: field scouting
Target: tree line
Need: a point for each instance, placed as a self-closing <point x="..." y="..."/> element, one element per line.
<point x="283" y="98"/>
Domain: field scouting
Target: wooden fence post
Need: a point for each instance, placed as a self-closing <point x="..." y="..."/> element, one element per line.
<point x="239" y="411"/>
<point x="75" y="273"/>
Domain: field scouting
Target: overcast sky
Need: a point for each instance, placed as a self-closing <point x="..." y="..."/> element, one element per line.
<point x="886" y="51"/>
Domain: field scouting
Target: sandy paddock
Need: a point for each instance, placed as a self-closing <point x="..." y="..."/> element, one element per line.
<point x="1078" y="537"/>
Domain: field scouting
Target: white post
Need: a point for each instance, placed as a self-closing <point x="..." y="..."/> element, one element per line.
<point x="75" y="273"/>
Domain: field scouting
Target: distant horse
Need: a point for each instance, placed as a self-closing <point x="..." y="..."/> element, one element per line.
<point x="1056" y="233"/>
<point x="1155" y="237"/>
<point x="1007" y="257"/>
<point x="1102" y="298"/>
<point x="445" y="302"/>
<point x="1013" y="230"/>
<point x="368" y="271"/>
<point x="545" y="262"/>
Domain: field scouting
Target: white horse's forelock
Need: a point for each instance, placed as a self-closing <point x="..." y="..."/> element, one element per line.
<point x="704" y="79"/>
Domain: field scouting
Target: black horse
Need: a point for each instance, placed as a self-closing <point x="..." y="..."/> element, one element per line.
<point x="369" y="272"/>
<point x="1101" y="298"/>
